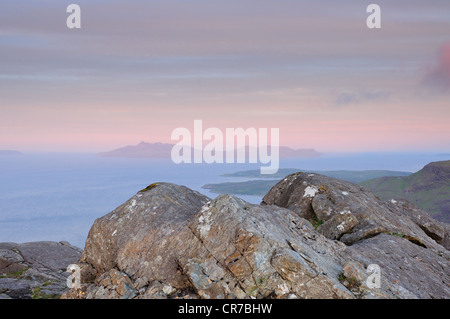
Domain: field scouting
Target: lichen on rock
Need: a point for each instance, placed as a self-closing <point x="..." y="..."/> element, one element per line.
<point x="177" y="243"/>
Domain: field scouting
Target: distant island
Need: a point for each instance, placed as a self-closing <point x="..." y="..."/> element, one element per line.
<point x="260" y="186"/>
<point x="9" y="153"/>
<point x="163" y="150"/>
<point x="287" y="152"/>
<point x="141" y="150"/>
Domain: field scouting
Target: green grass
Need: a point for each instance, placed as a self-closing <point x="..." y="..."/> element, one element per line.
<point x="349" y="282"/>
<point x="16" y="274"/>
<point x="37" y="292"/>
<point x="316" y="222"/>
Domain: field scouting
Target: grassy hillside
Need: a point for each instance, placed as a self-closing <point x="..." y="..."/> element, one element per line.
<point x="428" y="188"/>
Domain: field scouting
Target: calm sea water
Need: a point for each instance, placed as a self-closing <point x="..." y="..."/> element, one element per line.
<point x="58" y="196"/>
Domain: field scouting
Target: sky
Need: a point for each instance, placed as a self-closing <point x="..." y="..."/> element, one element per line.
<point x="136" y="70"/>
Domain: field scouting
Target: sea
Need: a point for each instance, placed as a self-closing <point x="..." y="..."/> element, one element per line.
<point x="58" y="196"/>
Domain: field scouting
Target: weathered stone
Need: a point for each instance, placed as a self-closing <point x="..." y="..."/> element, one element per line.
<point x="365" y="229"/>
<point x="171" y="242"/>
<point x="122" y="284"/>
<point x="225" y="249"/>
<point x="35" y="270"/>
<point x="331" y="197"/>
<point x="154" y="291"/>
<point x="322" y="206"/>
<point x="11" y="261"/>
<point x="150" y="227"/>
<point x="50" y="255"/>
<point x="355" y="270"/>
<point x="338" y="225"/>
<point x="432" y="227"/>
<point x="407" y="270"/>
<point x="17" y="288"/>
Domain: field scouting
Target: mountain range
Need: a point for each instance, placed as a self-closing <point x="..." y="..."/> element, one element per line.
<point x="141" y="150"/>
<point x="163" y="150"/>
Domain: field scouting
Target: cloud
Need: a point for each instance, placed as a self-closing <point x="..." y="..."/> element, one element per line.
<point x="137" y="68"/>
<point x="438" y="75"/>
<point x="345" y="99"/>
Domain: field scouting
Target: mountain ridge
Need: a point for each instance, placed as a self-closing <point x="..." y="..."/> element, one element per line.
<point x="163" y="150"/>
<point x="429" y="188"/>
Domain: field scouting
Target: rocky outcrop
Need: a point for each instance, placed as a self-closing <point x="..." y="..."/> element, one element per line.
<point x="312" y="237"/>
<point x="349" y="213"/>
<point x="35" y="270"/>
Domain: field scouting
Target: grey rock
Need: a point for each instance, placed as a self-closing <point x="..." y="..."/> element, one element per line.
<point x="17" y="288"/>
<point x="407" y="270"/>
<point x="145" y="235"/>
<point x="365" y="229"/>
<point x="324" y="197"/>
<point x="168" y="241"/>
<point x="435" y="229"/>
<point x="35" y="270"/>
<point x="112" y="285"/>
<point x="338" y="225"/>
<point x="224" y="248"/>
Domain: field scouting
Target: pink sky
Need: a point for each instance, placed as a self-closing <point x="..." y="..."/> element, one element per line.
<point x="139" y="69"/>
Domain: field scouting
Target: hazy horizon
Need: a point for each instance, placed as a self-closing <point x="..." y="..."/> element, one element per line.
<point x="439" y="152"/>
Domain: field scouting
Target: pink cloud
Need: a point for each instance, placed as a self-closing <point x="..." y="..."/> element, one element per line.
<point x="439" y="74"/>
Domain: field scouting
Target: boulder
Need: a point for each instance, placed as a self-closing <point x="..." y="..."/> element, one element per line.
<point x="172" y="242"/>
<point x="320" y="199"/>
<point x="312" y="237"/>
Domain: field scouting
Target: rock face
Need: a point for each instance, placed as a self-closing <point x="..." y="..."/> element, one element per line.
<point x="35" y="270"/>
<point x="349" y="213"/>
<point x="311" y="237"/>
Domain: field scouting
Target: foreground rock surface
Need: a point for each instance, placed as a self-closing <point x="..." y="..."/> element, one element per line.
<point x="35" y="270"/>
<point x="312" y="237"/>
